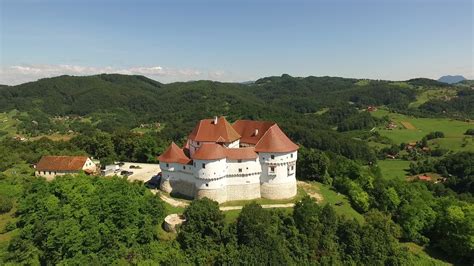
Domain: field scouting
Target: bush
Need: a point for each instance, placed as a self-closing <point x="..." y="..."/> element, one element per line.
<point x="10" y="226"/>
<point x="6" y="204"/>
<point x="469" y="132"/>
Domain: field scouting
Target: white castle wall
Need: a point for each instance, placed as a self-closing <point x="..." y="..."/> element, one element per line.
<point x="243" y="179"/>
<point x="281" y="182"/>
<point x="210" y="179"/>
<point x="225" y="180"/>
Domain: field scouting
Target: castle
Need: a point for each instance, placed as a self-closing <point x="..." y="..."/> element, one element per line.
<point x="224" y="162"/>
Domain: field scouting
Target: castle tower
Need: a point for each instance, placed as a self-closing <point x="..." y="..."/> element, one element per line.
<point x="210" y="170"/>
<point x="277" y="155"/>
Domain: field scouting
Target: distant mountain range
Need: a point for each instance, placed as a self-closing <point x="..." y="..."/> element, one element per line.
<point x="451" y="79"/>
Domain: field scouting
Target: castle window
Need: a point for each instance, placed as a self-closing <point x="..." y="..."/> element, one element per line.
<point x="240" y="170"/>
<point x="203" y="165"/>
<point x="272" y="156"/>
<point x="239" y="161"/>
<point x="272" y="169"/>
<point x="292" y="167"/>
<point x="184" y="167"/>
<point x="291" y="155"/>
<point x="194" y="164"/>
<point x="198" y="143"/>
<point x="167" y="165"/>
<point x="207" y="185"/>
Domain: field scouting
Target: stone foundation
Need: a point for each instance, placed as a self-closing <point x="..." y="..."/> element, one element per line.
<point x="219" y="195"/>
<point x="243" y="192"/>
<point x="278" y="191"/>
<point x="165" y="185"/>
<point x="178" y="188"/>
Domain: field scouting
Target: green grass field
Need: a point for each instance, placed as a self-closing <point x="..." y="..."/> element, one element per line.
<point x="8" y="124"/>
<point x="427" y="95"/>
<point x="452" y="129"/>
<point x="332" y="197"/>
<point x="393" y="168"/>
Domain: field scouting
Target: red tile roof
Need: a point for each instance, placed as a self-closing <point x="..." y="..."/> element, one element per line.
<point x="209" y="151"/>
<point x="207" y="130"/>
<point x="248" y="128"/>
<point x="274" y="140"/>
<point x="174" y="154"/>
<point x="247" y="153"/>
<point x="61" y="163"/>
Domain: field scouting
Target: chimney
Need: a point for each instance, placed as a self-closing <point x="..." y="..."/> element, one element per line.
<point x="256" y="132"/>
<point x="215" y="120"/>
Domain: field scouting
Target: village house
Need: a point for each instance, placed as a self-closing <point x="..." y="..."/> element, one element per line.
<point x="224" y="162"/>
<point x="51" y="166"/>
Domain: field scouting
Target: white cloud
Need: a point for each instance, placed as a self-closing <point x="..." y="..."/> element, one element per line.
<point x="17" y="74"/>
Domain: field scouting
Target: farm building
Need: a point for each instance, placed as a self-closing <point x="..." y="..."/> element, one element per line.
<point x="51" y="166"/>
<point x="223" y="162"/>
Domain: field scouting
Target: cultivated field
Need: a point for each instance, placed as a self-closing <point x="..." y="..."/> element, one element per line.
<point x="411" y="129"/>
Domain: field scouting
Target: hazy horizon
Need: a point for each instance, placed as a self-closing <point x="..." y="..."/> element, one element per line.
<point x="236" y="41"/>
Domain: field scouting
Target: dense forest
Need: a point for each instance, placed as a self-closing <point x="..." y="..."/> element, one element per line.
<point x="132" y="118"/>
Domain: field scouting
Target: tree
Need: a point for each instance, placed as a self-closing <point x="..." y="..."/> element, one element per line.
<point x="202" y="233"/>
<point x="313" y="165"/>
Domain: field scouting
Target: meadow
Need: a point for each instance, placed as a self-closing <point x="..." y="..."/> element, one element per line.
<point x="453" y="130"/>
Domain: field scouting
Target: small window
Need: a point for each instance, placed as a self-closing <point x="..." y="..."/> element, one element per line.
<point x="207" y="185"/>
<point x="291" y="155"/>
<point x="272" y="156"/>
<point x="240" y="170"/>
<point x="292" y="167"/>
<point x="184" y="167"/>
<point x="272" y="169"/>
<point x="239" y="161"/>
<point x="49" y="172"/>
<point x="198" y="143"/>
<point x="167" y="165"/>
<point x="194" y="164"/>
<point x="203" y="165"/>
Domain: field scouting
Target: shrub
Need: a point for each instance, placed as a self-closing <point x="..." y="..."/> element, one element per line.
<point x="10" y="226"/>
<point x="469" y="132"/>
<point x="6" y="204"/>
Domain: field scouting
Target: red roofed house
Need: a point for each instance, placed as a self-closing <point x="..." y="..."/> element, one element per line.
<point x="245" y="160"/>
<point x="51" y="166"/>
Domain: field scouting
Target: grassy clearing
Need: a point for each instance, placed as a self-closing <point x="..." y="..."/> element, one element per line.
<point x="452" y="129"/>
<point x="422" y="256"/>
<point x="427" y="95"/>
<point x="332" y="197"/>
<point x="394" y="169"/>
<point x="8" y="124"/>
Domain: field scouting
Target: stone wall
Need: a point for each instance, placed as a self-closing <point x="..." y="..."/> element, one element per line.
<point x="181" y="188"/>
<point x="219" y="195"/>
<point x="278" y="190"/>
<point x="243" y="191"/>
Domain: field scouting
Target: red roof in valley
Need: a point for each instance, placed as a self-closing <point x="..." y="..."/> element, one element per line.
<point x="248" y="128"/>
<point x="61" y="163"/>
<point x="209" y="151"/>
<point x="207" y="130"/>
<point x="174" y="154"/>
<point x="274" y="140"/>
<point x="247" y="153"/>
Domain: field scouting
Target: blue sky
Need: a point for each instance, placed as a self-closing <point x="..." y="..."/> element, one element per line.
<point x="236" y="40"/>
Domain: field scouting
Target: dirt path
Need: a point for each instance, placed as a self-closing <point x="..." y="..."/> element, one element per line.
<point x="408" y="125"/>
<point x="183" y="204"/>
<point x="310" y="191"/>
<point x="265" y="206"/>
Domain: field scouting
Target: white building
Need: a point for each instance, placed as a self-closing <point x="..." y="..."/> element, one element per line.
<point x="223" y="162"/>
<point x="51" y="166"/>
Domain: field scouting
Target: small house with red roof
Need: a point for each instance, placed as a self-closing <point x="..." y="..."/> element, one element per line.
<point x="240" y="161"/>
<point x="51" y="166"/>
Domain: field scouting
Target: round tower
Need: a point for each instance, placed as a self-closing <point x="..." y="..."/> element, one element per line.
<point x="210" y="170"/>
